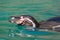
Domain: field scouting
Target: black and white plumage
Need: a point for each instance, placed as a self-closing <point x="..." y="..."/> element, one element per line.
<point x="50" y="24"/>
<point x="25" y="20"/>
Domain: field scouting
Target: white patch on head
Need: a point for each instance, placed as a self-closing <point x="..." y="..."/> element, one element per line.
<point x="13" y="18"/>
<point x="21" y="17"/>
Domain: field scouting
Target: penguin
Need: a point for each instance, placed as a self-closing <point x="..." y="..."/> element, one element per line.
<point x="27" y="20"/>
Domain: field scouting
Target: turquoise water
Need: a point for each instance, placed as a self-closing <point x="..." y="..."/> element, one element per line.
<point x="39" y="9"/>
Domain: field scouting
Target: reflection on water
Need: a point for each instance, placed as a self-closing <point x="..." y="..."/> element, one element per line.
<point x="30" y="33"/>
